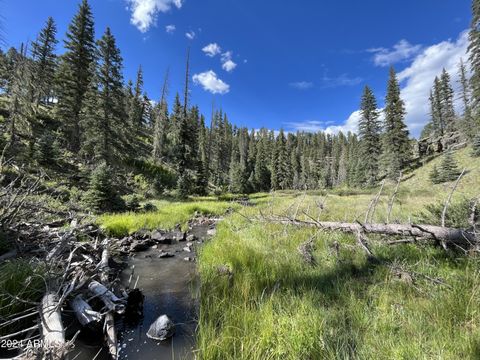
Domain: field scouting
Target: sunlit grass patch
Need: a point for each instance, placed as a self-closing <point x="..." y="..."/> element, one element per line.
<point x="167" y="216"/>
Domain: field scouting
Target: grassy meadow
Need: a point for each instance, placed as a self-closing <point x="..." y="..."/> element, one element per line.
<point x="276" y="306"/>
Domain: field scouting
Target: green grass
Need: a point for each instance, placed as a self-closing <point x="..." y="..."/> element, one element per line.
<point x="168" y="215"/>
<point x="24" y="280"/>
<point x="278" y="307"/>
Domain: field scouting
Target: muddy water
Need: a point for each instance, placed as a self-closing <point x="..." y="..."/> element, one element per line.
<point x="170" y="287"/>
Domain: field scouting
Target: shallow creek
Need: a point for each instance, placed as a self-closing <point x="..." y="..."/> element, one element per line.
<point x="170" y="286"/>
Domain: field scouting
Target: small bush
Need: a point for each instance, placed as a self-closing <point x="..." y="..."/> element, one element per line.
<point x="458" y="214"/>
<point x="149" y="207"/>
<point x="476" y="146"/>
<point x="102" y="195"/>
<point x="132" y="202"/>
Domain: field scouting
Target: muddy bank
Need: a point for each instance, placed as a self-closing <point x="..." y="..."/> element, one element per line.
<point x="169" y="284"/>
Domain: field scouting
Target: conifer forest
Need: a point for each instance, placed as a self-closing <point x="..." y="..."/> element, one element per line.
<point x="139" y="226"/>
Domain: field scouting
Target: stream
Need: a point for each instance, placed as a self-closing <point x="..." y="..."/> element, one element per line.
<point x="170" y="287"/>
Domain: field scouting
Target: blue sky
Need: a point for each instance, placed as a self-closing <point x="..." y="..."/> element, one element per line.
<point x="279" y="64"/>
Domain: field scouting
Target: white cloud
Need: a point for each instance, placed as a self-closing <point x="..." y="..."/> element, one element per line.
<point x="190" y="35"/>
<point x="227" y="63"/>
<point x="417" y="80"/>
<point x="170" y="29"/>
<point x="145" y="12"/>
<point x="210" y="82"/>
<point x="342" y="80"/>
<point x="327" y="126"/>
<point x="301" y="85"/>
<point x="402" y="51"/>
<point x="212" y="49"/>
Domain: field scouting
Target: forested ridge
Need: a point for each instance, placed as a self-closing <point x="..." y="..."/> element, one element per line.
<point x="76" y="116"/>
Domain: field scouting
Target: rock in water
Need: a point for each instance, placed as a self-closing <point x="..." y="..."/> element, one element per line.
<point x="161" y="329"/>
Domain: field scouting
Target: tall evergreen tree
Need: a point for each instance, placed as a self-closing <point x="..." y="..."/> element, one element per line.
<point x="74" y="73"/>
<point x="108" y="128"/>
<point x="281" y="161"/>
<point x="468" y="125"/>
<point x="474" y="51"/>
<point x="448" y="110"/>
<point x="44" y="62"/>
<point x="396" y="143"/>
<point x="369" y="128"/>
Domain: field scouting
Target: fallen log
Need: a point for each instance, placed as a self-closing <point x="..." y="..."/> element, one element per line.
<point x="54" y="344"/>
<point x="109" y="326"/>
<point x="450" y="236"/>
<point x="111" y="301"/>
<point x="83" y="311"/>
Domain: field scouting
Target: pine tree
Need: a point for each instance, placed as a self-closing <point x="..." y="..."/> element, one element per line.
<point x="435" y="175"/>
<point x="369" y="133"/>
<point x="102" y="195"/>
<point x="468" y="125"/>
<point x="436" y="112"/>
<point x="107" y="127"/>
<point x="474" y="51"/>
<point x="74" y="73"/>
<point x="20" y="106"/>
<point x="280" y="167"/>
<point x="45" y="62"/>
<point x="449" y="170"/>
<point x="448" y="110"/>
<point x="262" y="172"/>
<point x="396" y="143"/>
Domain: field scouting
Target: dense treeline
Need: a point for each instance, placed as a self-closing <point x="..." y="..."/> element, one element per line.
<point x="75" y="109"/>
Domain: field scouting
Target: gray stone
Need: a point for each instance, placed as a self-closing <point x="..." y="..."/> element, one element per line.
<point x="162" y="329"/>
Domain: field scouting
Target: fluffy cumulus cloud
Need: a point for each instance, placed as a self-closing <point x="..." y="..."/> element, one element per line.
<point x="212" y="49"/>
<point x="416" y="81"/>
<point x="301" y="85"/>
<point x="145" y="12"/>
<point x="210" y="82"/>
<point x="401" y="51"/>
<point x="190" y="35"/>
<point x="170" y="29"/>
<point x="227" y="63"/>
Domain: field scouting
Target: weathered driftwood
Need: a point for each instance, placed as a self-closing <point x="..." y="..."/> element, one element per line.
<point x="55" y="346"/>
<point x="83" y="311"/>
<point x="450" y="236"/>
<point x="111" y="301"/>
<point x="109" y="326"/>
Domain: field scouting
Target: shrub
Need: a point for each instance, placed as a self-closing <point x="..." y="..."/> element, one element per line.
<point x="102" y="195"/>
<point x="458" y="214"/>
<point x="132" y="202"/>
<point x="476" y="146"/>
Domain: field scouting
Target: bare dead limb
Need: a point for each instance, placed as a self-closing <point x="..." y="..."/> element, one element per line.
<point x="449" y="198"/>
<point x="392" y="199"/>
<point x="373" y="204"/>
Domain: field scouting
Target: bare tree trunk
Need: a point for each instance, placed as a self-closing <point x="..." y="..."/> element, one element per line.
<point x="53" y="332"/>
<point x="450" y="236"/>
